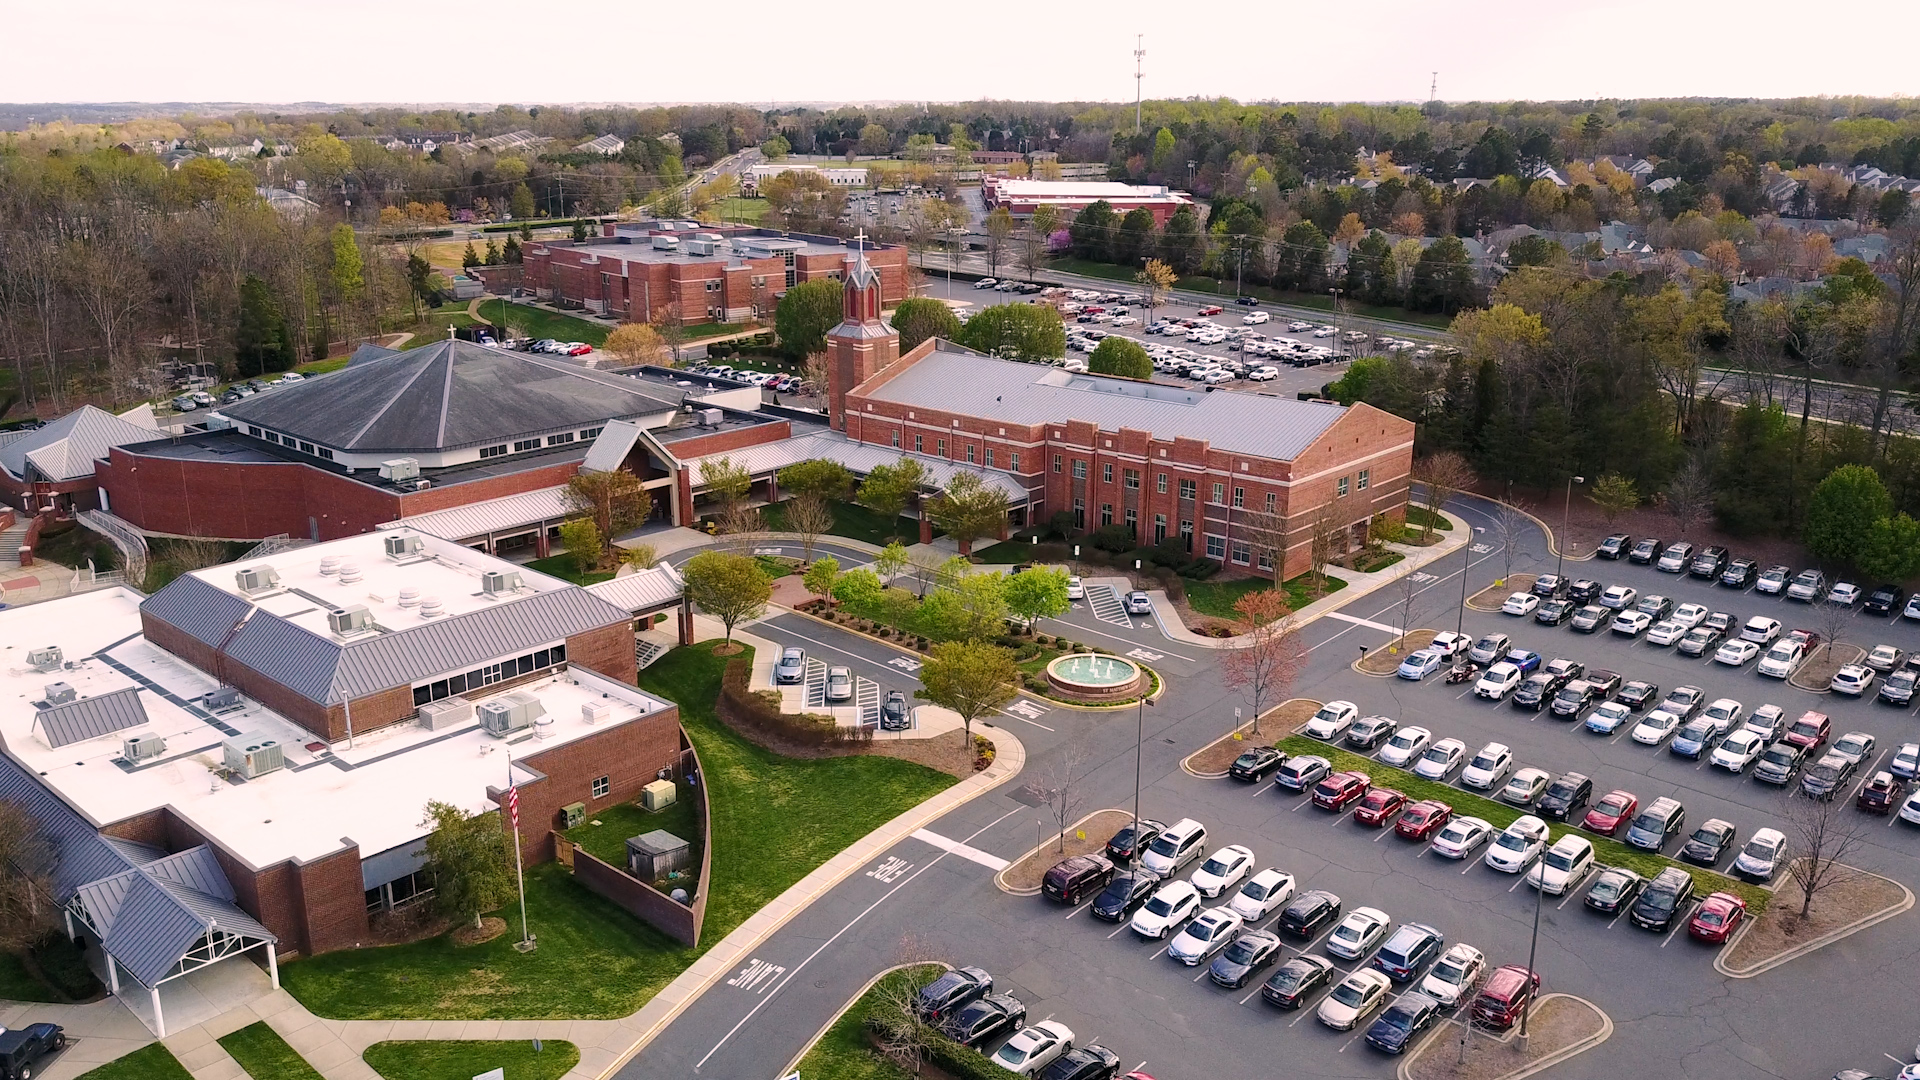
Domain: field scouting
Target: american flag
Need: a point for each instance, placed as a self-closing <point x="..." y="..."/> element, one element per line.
<point x="513" y="804"/>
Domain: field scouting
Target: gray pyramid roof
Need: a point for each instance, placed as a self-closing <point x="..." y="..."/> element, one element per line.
<point x="444" y="396"/>
<point x="67" y="448"/>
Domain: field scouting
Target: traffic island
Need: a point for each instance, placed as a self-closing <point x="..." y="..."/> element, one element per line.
<point x="1210" y="762"/>
<point x="1816" y="675"/>
<point x="1560" y="1026"/>
<point x="1087" y="836"/>
<point x="1849" y="905"/>
<point x="1384" y="662"/>
<point x="1494" y="595"/>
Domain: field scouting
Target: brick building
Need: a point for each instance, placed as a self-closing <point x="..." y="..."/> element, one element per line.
<point x="654" y="270"/>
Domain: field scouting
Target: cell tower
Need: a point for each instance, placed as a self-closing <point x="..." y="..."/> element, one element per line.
<point x="1433" y="90"/>
<point x="1138" y="52"/>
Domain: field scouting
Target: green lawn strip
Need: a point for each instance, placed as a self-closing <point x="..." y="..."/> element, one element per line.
<point x="703" y="331"/>
<point x="151" y="1062"/>
<point x="1500" y="815"/>
<point x="607" y="841"/>
<point x="565" y="568"/>
<point x="437" y="1060"/>
<point x="1373" y="564"/>
<point x="266" y="1056"/>
<point x="855" y="522"/>
<point x="742" y="209"/>
<point x="540" y="323"/>
<point x="1419" y="517"/>
<point x="1005" y="553"/>
<point x="774" y="567"/>
<point x="845" y="1053"/>
<point x="1216" y="598"/>
<point x="19" y="984"/>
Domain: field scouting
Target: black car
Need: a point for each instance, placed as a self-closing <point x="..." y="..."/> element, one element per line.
<point x="1537" y="689"/>
<point x="1555" y="612"/>
<point x="982" y="1021"/>
<point x="1701" y="640"/>
<point x="1778" y="763"/>
<point x="1708" y="844"/>
<point x="1574" y="699"/>
<point x="1256" y="764"/>
<point x="1709" y="563"/>
<point x="1615" y="546"/>
<point x="1898" y="687"/>
<point x="1823" y="779"/>
<point x="1584" y="591"/>
<point x="1072" y="880"/>
<point x="1605" y="683"/>
<point x="1647" y="550"/>
<point x="952" y="992"/>
<point x="1405" y="1018"/>
<point x="1289" y="986"/>
<point x="894" y="712"/>
<point x="1123" y="893"/>
<point x="1308" y="912"/>
<point x="23" y="1049"/>
<point x="1565" y="797"/>
<point x="1247" y="301"/>
<point x="1638" y="695"/>
<point x="1370" y="731"/>
<point x="1549" y="586"/>
<point x="1560" y="665"/>
<point x="1090" y="1062"/>
<point x="1249" y="953"/>
<point x="1666" y="896"/>
<point x="1740" y="574"/>
<point x="1593" y="618"/>
<point x="1613" y="889"/>
<point x="1884" y="600"/>
<point x="1126" y="846"/>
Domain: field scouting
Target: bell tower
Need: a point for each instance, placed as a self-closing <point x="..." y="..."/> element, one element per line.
<point x="863" y="343"/>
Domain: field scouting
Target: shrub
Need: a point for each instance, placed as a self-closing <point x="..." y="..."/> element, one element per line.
<point x="1060" y="524"/>
<point x="1114" y="538"/>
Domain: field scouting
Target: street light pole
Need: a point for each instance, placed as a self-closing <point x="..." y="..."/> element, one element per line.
<point x="1566" y="516"/>
<point x="1466" y="562"/>
<point x="1532" y="945"/>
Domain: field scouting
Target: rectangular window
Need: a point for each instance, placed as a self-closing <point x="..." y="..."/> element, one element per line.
<point x="1216" y="547"/>
<point x="1013" y="462"/>
<point x="1239" y="496"/>
<point x="1079" y="514"/>
<point x="1133" y="523"/>
<point x="1079" y="469"/>
<point x="525" y="445"/>
<point x="1056" y="463"/>
<point x="1241" y="553"/>
<point x="1106" y="513"/>
<point x="919" y="444"/>
<point x="1272" y="502"/>
<point x="1131" y="478"/>
<point x="940" y="447"/>
<point x="1160" y="483"/>
<point x="989" y="457"/>
<point x="492" y="673"/>
<point x="1188" y="489"/>
<point x="590" y="433"/>
<point x="896" y="439"/>
<point x="326" y="453"/>
<point x="969" y="453"/>
<point x="493" y="451"/>
<point x="602" y="787"/>
<point x="1341" y="487"/>
<point x="1265" y="561"/>
<point x="1106" y="472"/>
<point x="1364" y="473"/>
<point x="253" y="431"/>
<point x="307" y="448"/>
<point x="561" y="439"/>
<point x="1159" y="528"/>
<point x="272" y="438"/>
<point x="1219" y="493"/>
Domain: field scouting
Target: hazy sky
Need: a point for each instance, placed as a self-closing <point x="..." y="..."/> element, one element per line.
<point x="758" y="50"/>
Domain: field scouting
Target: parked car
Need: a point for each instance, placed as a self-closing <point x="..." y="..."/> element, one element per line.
<point x="1302" y="772"/>
<point x="1440" y="760"/>
<point x="1455" y="974"/>
<point x="1644" y="552"/>
<point x="1214" y="930"/>
<point x="1490" y="648"/>
<point x="1307" y="913"/>
<point x="1357" y="996"/>
<point x="1768" y="721"/>
<point x="1138" y="603"/>
<point x="1461" y="837"/>
<point x="792" y="666"/>
<point x="1380" y="807"/>
<point x="1823" y="779"/>
<point x="1709" y="562"/>
<point x="1133" y="838"/>
<point x="1243" y="959"/>
<point x="1584" y="591"/>
<point x="1407" y="1017"/>
<point x="1700" y="641"/>
<point x="1090" y="1062"/>
<point x="1223" y="870"/>
<point x="1852" y="680"/>
<point x="839" y="684"/>
<point x="1614" y="889"/>
<point x="1172" y="904"/>
<point x="1262" y="894"/>
<point x="1779" y="763"/>
<point x="954" y="989"/>
<point x="1717" y="917"/>
<point x="1607" y="717"/>
<point x="1072" y="880"/>
<point x="1808" y="586"/>
<point x="1654" y="826"/>
<point x="1631" y="623"/>
<point x="1615" y="546"/>
<point x="896" y="714"/>
<point x="1404" y="745"/>
<point x="1293" y="981"/>
<point x="1421" y="663"/>
<point x="1880" y="794"/>
<point x="1906" y="761"/>
<point x="1563" y="866"/>
<point x="1369" y="732"/>
<point x="1554" y="612"/>
<point x="1340" y="790"/>
<point x="1740" y="574"/>
<point x="1666" y="896"/>
<point x="1565" y="798"/>
<point x="1758" y="861"/>
<point x="1737" y="751"/>
<point x="1676" y="559"/>
<point x="1884" y="600"/>
<point x="1518" y="845"/>
<point x="1592" y="619"/>
<point x="1499" y="681"/>
<point x="1708" y="844"/>
<point x="981" y="1021"/>
<point x="1420" y="820"/>
<point x="1124" y="892"/>
<point x="1524" y="787"/>
<point x="1256" y="764"/>
<point x="1613" y="809"/>
<point x="1034" y="1048"/>
<point x="1332" y="720"/>
<point x="1638" y="694"/>
<point x="1812" y="730"/>
<point x="1488" y="766"/>
<point x="1782" y="659"/>
<point x="1885" y="658"/>
<point x="1574" y="699"/>
<point x="1358" y="933"/>
<point x="1181" y="843"/>
<point x="1773" y="580"/>
<point x="1507" y="993"/>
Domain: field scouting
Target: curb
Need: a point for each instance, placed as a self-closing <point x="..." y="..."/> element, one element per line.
<point x="1395" y="673"/>
<point x="1000" y="884"/>
<point x="1825" y="648"/>
<point x="793" y="1066"/>
<point x="1821" y="942"/>
<point x="1502" y="584"/>
<point x="1571" y="1050"/>
<point x="1185" y="768"/>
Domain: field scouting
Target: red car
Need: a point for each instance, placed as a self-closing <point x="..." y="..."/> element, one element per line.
<point x="1805" y="637"/>
<point x="1811" y="730"/>
<point x="1379" y="807"/>
<point x="1423" y="819"/>
<point x="1610" y="812"/>
<point x="1507" y="993"/>
<point x="1206" y="311"/>
<point x="1718" y="917"/>
<point x="1881" y="794"/>
<point x="1337" y="792"/>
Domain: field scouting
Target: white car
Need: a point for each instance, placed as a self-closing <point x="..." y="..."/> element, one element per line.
<point x="1076" y="590"/>
<point x="1619" y="597"/>
<point x="1498" y="682"/>
<point x="986" y="283"/>
<point x="1665" y="632"/>
<point x="1139" y="603"/>
<point x="1255" y="318"/>
<point x="1461" y="836"/>
<point x="1454" y="975"/>
<point x="1737" y="751"/>
<point x="1034" y="1048"/>
<point x="1631" y="623"/>
<point x="1656" y="727"/>
<point x="1768" y="721"/>
<point x="1690" y="615"/>
<point x="1224" y="870"/>
<point x="1263" y="894"/>
<point x="1564" y="866"/>
<point x="1853" y="680"/>
<point x="1169" y="906"/>
<point x="1214" y="930"/>
<point x="1406" y="744"/>
<point x="1782" y="659"/>
<point x="1296" y="326"/>
<point x="1450" y="644"/>
<point x="1884" y="658"/>
<point x="1736" y="653"/>
<point x="1333" y="719"/>
<point x="1760" y="630"/>
<point x="1910" y="810"/>
<point x="1521" y="603"/>
<point x="1357" y="995"/>
<point x="1518" y="845"/>
<point x="1844" y="593"/>
<point x="1358" y="933"/>
<point x="1906" y="761"/>
<point x="1440" y="759"/>
<point x="1487" y="766"/>
<point x="1525" y="786"/>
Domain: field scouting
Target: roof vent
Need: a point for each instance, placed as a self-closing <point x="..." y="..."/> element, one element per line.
<point x="404" y="546"/>
<point x="409" y="596"/>
<point x="349" y="572"/>
<point x="430" y="608"/>
<point x="710" y="417"/>
<point x="330" y="566"/>
<point x="221" y="699"/>
<point x="47" y="659"/>
<point x="350" y="620"/>
<point x="257" y="579"/>
<point x="508" y="713"/>
<point x="497" y="582"/>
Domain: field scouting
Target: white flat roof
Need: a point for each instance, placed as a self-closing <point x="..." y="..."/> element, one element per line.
<point x="443" y="570"/>
<point x="372" y="795"/>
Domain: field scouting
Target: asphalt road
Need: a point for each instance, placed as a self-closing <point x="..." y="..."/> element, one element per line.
<point x="1675" y="1015"/>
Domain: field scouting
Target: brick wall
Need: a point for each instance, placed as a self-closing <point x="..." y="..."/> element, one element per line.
<point x="629" y="755"/>
<point x="641" y="900"/>
<point x="607" y="650"/>
<point x="332" y="901"/>
<point x="728" y="439"/>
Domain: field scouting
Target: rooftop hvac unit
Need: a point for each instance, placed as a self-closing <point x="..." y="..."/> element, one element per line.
<point x="350" y="620"/>
<point x="710" y="417"/>
<point x="701" y="245"/>
<point x="47" y="659"/>
<point x="576" y="814"/>
<point x="256" y="579"/>
<point x="594" y="711"/>
<point x="495" y="582"/>
<point x="409" y="596"/>
<point x="142" y="747"/>
<point x="400" y="469"/>
<point x="404" y="546"/>
<point x="543" y="728"/>
<point x="430" y="608"/>
<point x="658" y="795"/>
<point x="446" y="713"/>
<point x="59" y="693"/>
<point x="221" y="699"/>
<point x="508" y="713"/>
<point x="666" y="243"/>
<point x="254" y="755"/>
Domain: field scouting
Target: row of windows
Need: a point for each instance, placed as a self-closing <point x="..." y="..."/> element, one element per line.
<point x="524" y="445"/>
<point x="290" y="442"/>
<point x="940" y="448"/>
<point x="490" y="674"/>
<point x="1189" y="489"/>
<point x="1340" y="486"/>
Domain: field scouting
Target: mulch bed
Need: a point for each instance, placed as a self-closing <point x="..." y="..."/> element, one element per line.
<point x="1848" y="900"/>
<point x="1491" y="597"/>
<point x="490" y="927"/>
<point x="1555" y="1025"/>
<point x="1820" y="668"/>
<point x="1278" y="723"/>
<point x="1026" y="874"/>
<point x="946" y="753"/>
<point x="1386" y="659"/>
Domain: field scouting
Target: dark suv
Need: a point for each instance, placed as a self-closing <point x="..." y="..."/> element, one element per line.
<point x="1709" y="563"/>
<point x="1071" y="880"/>
<point x="947" y="994"/>
<point x="1740" y="574"/>
<point x="1126" y="846"/>
<point x="22" y="1050"/>
<point x="1884" y="600"/>
<point x="1614" y="546"/>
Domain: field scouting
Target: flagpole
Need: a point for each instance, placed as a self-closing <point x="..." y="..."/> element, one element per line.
<point x="519" y="869"/>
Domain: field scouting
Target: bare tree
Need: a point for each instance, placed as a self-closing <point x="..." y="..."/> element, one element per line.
<point x="1266" y="535"/>
<point x="1825" y="835"/>
<point x="27" y="908"/>
<point x="809" y="515"/>
<point x="1060" y="788"/>
<point x="742" y="526"/>
<point x="899" y="1034"/>
<point x="1690" y="496"/>
<point x="1408" y="596"/>
<point x="1273" y="656"/>
<point x="814" y="373"/>
<point x="1510" y="525"/>
<point x="1443" y="475"/>
<point x="1326" y="543"/>
<point x="1833" y="622"/>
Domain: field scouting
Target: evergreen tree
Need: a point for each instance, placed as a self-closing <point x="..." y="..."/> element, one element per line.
<point x="261" y="342"/>
<point x="1135" y="239"/>
<point x="469" y="258"/>
<point x="511" y="252"/>
<point x="1442" y="279"/>
<point x="1301" y="264"/>
<point x="1093" y="231"/>
<point x="1182" y="244"/>
<point x="493" y="253"/>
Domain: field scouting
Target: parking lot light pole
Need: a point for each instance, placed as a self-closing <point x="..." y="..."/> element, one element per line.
<point x="1566" y="516"/>
<point x="1532" y="945"/>
<point x="1466" y="562"/>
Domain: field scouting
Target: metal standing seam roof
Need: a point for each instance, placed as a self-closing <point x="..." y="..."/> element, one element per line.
<point x="204" y="612"/>
<point x="158" y="921"/>
<point x="858" y="457"/>
<point x="80" y="853"/>
<point x="493" y="515"/>
<point x="643" y="590"/>
<point x="611" y="446"/>
<point x="91" y="717"/>
<point x="1016" y="393"/>
<point x="67" y="448"/>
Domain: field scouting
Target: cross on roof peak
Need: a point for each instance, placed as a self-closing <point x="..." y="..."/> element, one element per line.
<point x="861" y="239"/>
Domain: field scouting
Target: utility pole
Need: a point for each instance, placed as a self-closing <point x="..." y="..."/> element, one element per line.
<point x="1138" y="53"/>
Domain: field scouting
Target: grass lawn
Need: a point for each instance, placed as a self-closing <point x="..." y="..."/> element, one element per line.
<point x="843" y="1052"/>
<point x="266" y="1056"/>
<point x="19" y="984"/>
<point x="703" y="331"/>
<point x="856" y="522"/>
<point x="151" y="1062"/>
<point x="742" y="209"/>
<point x="432" y="1060"/>
<point x="565" y="568"/>
<point x="607" y="841"/>
<point x="1224" y="288"/>
<point x="1018" y="549"/>
<point x="774" y="820"/>
<point x="1419" y="517"/>
<point x="1216" y="598"/>
<point x="1500" y="815"/>
<point x="540" y="323"/>
<point x="321" y="367"/>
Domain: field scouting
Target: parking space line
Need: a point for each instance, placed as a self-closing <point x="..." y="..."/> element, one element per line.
<point x="1243" y="1000"/>
<point x="1125" y="924"/>
<point x="1679" y="922"/>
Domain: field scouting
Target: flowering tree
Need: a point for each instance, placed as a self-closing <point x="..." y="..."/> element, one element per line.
<point x="1273" y="656"/>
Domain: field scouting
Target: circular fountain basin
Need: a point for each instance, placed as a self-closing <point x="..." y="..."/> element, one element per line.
<point x="1095" y="679"/>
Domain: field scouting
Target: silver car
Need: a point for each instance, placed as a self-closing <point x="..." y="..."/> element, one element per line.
<point x="792" y="667"/>
<point x="839" y="684"/>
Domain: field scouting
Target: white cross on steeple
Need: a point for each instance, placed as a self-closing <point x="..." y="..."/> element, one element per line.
<point x="861" y="239"/>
